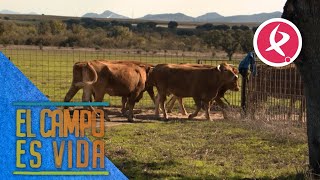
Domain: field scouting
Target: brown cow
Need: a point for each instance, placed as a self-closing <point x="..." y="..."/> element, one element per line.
<point x="148" y="85"/>
<point x="117" y="79"/>
<point x="233" y="86"/>
<point x="278" y="83"/>
<point x="200" y="83"/>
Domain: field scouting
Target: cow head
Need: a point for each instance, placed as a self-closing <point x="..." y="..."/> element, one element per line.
<point x="227" y="72"/>
<point x="234" y="84"/>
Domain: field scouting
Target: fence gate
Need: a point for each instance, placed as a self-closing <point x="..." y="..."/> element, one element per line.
<point x="276" y="94"/>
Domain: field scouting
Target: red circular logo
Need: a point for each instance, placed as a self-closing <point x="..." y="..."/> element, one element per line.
<point x="277" y="42"/>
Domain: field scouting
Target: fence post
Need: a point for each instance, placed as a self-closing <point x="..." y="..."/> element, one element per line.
<point x="243" y="95"/>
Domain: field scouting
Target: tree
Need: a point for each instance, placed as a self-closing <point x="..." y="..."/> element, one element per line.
<point x="205" y="27"/>
<point x="57" y="27"/>
<point x="77" y="29"/>
<point x="172" y="25"/>
<point x="305" y="14"/>
<point x="2" y="28"/>
<point x="222" y="27"/>
<point x="246" y="39"/>
<point x="44" y="28"/>
<point x="120" y="32"/>
<point x="185" y="32"/>
<point x="212" y="38"/>
<point x="229" y="42"/>
<point x="146" y="25"/>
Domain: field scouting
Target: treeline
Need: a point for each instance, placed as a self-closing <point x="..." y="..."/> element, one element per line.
<point x="87" y="32"/>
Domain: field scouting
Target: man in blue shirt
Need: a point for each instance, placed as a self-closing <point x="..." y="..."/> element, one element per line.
<point x="249" y="60"/>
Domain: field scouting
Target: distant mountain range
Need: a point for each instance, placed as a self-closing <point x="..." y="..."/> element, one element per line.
<point x="249" y="18"/>
<point x="8" y="12"/>
<point x="209" y="17"/>
<point x="214" y="17"/>
<point x="168" y="17"/>
<point x="106" y="14"/>
<point x="13" y="12"/>
<point x="180" y="17"/>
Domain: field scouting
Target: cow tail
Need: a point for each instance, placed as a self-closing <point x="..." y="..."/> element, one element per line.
<point x="95" y="79"/>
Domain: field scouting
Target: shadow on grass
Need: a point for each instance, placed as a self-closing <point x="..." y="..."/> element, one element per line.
<point x="162" y="170"/>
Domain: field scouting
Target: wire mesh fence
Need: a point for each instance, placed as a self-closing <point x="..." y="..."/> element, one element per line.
<point x="50" y="69"/>
<point x="275" y="94"/>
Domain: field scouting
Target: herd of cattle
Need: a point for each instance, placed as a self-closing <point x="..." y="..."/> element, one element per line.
<point x="130" y="79"/>
<point x="204" y="83"/>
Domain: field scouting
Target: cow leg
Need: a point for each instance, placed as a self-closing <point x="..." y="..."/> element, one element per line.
<point x="124" y="105"/>
<point x="93" y="95"/>
<point x="86" y="96"/>
<point x="182" y="109"/>
<point x="171" y="103"/>
<point x="130" y="112"/>
<point x="206" y="106"/>
<point x="71" y="93"/>
<point x="222" y="105"/>
<point x="198" y="105"/>
<point x="156" y="111"/>
<point x="98" y="97"/>
<point x="162" y="99"/>
<point x="131" y="103"/>
<point x="151" y="94"/>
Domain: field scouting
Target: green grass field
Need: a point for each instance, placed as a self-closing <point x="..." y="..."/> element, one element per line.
<point x="206" y="150"/>
<point x="177" y="149"/>
<point x="51" y="69"/>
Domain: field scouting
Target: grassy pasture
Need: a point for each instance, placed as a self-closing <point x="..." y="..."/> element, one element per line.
<point x="177" y="149"/>
<point x="206" y="150"/>
<point x="50" y="70"/>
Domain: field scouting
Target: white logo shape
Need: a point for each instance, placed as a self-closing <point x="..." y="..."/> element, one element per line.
<point x="277" y="46"/>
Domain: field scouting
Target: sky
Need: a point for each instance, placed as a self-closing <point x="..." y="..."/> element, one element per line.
<point x="139" y="8"/>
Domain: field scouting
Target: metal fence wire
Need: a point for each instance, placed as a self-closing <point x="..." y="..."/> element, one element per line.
<point x="50" y="69"/>
<point x="276" y="93"/>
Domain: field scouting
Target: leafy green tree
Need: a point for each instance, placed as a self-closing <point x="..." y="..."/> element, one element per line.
<point x="246" y="39"/>
<point x="120" y="32"/>
<point x="205" y="27"/>
<point x="2" y="28"/>
<point x="44" y="28"/>
<point x="242" y="27"/>
<point x="230" y="42"/>
<point x="57" y="27"/>
<point x="222" y="27"/>
<point x="212" y="38"/>
<point x="77" y="29"/>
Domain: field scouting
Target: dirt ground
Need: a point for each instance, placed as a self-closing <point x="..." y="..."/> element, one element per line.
<point x="147" y="115"/>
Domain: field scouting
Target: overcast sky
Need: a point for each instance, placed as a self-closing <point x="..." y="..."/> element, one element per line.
<point x="139" y="8"/>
